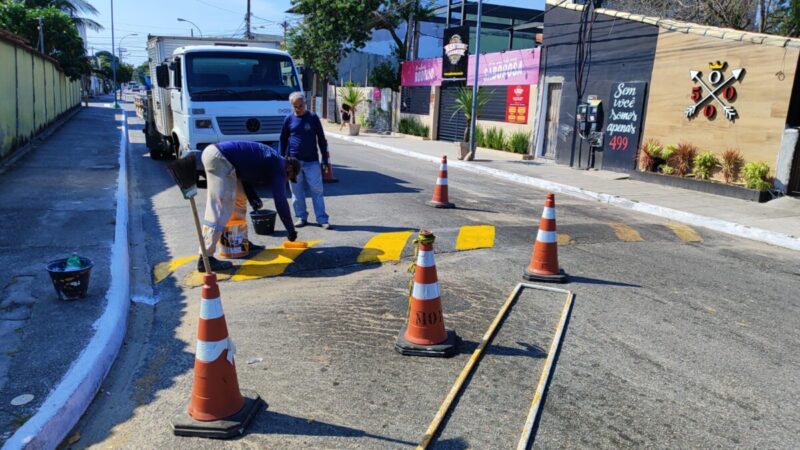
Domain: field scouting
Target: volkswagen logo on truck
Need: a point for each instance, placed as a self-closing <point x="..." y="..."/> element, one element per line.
<point x="253" y="125"/>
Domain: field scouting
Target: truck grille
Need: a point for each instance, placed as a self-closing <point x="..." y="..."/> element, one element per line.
<point x="239" y="125"/>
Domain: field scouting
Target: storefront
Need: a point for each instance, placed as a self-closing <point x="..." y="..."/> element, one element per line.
<point x="510" y="78"/>
<point x="612" y="80"/>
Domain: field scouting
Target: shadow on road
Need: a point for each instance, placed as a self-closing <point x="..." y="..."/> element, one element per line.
<point x="529" y="350"/>
<point x="585" y="280"/>
<point x="271" y="422"/>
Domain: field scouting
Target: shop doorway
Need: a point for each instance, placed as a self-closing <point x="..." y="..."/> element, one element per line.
<point x="548" y="121"/>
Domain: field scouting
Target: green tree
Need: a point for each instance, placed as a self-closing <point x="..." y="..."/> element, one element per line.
<point x="141" y="71"/>
<point x="385" y="75"/>
<point x="72" y="8"/>
<point x="391" y="14"/>
<point x="124" y="70"/>
<point x="330" y="29"/>
<point x="61" y="38"/>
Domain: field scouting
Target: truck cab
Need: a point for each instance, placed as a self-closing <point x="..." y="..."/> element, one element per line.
<point x="205" y="94"/>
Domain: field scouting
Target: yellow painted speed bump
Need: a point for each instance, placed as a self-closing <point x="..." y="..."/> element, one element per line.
<point x="195" y="279"/>
<point x="384" y="247"/>
<point x="684" y="232"/>
<point x="164" y="269"/>
<point x="626" y="233"/>
<point x="269" y="262"/>
<point x="475" y="236"/>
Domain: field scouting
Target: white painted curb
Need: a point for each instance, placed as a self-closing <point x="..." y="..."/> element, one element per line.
<point x="723" y="226"/>
<point x="67" y="402"/>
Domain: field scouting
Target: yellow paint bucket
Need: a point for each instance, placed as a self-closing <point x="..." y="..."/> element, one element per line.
<point x="233" y="243"/>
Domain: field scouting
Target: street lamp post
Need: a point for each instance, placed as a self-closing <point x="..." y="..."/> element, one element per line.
<point x="113" y="62"/>
<point x="195" y="25"/>
<point x="472" y="118"/>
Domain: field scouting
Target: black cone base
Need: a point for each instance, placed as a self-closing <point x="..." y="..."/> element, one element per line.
<point x="441" y="205"/>
<point x="235" y="425"/>
<point x="445" y="349"/>
<point x="560" y="277"/>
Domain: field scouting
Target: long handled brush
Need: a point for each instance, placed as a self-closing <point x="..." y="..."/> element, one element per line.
<point x="184" y="172"/>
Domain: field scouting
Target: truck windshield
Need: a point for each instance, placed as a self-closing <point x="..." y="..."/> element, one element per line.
<point x="220" y="76"/>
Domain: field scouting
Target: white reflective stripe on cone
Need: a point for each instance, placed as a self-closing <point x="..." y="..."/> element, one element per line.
<point x="425" y="258"/>
<point x="211" y="308"/>
<point x="426" y="291"/>
<point x="549" y="213"/>
<point x="443" y="167"/>
<point x="441" y="181"/>
<point x="209" y="352"/>
<point x="548" y="237"/>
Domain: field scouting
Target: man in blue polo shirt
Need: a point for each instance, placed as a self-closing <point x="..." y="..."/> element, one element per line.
<point x="232" y="168"/>
<point x="301" y="134"/>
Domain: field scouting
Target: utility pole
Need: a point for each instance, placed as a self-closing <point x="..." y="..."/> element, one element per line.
<point x="248" y="34"/>
<point x="113" y="58"/>
<point x="285" y="26"/>
<point x="41" y="34"/>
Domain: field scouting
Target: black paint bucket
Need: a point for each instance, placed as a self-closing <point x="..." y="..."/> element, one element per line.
<point x="263" y="221"/>
<point x="70" y="284"/>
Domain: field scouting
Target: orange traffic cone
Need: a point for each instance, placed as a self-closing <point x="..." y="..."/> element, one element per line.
<point x="544" y="260"/>
<point x="440" y="199"/>
<point x="217" y="408"/>
<point x="327" y="177"/>
<point x="424" y="334"/>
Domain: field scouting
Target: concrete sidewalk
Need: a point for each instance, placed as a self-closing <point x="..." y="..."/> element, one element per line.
<point x="57" y="199"/>
<point x="776" y="222"/>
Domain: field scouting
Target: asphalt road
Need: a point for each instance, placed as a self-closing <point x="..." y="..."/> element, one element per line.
<point x="671" y="344"/>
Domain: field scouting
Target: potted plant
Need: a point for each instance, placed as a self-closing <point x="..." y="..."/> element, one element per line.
<point x="464" y="104"/>
<point x="352" y="96"/>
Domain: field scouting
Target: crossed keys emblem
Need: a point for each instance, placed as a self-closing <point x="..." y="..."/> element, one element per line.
<point x="718" y="85"/>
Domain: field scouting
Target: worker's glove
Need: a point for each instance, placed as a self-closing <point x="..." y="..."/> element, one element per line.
<point x="256" y="204"/>
<point x="292" y="236"/>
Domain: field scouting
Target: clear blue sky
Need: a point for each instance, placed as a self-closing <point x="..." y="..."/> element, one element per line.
<point x="214" y="17"/>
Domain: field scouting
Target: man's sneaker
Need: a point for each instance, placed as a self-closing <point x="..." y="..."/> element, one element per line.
<point x="216" y="265"/>
<point x="300" y="223"/>
<point x="326" y="226"/>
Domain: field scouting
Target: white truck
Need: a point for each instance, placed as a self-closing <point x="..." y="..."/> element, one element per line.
<point x="207" y="90"/>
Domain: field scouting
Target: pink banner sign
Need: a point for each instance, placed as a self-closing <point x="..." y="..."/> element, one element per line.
<point x="422" y="72"/>
<point x="502" y="69"/>
<point x="496" y="69"/>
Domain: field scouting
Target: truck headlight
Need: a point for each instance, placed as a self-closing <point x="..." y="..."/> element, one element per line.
<point x="202" y="123"/>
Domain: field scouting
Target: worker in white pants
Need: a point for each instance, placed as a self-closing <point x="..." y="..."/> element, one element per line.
<point x="230" y="168"/>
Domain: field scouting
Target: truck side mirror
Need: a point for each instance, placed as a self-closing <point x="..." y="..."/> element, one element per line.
<point x="162" y="76"/>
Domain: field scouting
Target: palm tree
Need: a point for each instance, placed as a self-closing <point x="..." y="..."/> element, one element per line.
<point x="73" y="8"/>
<point x="463" y="104"/>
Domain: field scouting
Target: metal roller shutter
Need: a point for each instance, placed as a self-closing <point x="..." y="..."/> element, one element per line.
<point x="451" y="124"/>
<point x="495" y="108"/>
<point x="416" y="100"/>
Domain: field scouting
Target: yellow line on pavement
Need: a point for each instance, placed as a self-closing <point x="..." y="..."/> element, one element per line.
<point x="564" y="239"/>
<point x="684" y="232"/>
<point x="475" y="236"/>
<point x="626" y="233"/>
<point x="269" y="262"/>
<point x="164" y="269"/>
<point x="384" y="247"/>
